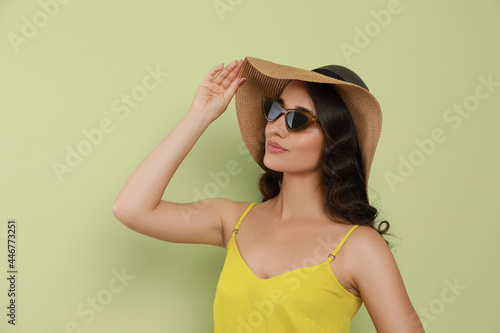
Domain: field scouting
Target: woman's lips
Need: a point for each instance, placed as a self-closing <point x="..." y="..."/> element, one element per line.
<point x="274" y="147"/>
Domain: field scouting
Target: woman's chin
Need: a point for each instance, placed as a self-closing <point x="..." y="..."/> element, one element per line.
<point x="280" y="165"/>
<point x="270" y="166"/>
<point x="271" y="163"/>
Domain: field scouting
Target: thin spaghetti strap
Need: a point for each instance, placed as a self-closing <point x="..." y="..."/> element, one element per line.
<point x="235" y="230"/>
<point x="337" y="249"/>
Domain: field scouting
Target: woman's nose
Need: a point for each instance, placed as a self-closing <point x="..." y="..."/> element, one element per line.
<point x="278" y="126"/>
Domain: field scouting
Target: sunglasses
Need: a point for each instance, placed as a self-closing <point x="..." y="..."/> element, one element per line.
<point x="295" y="120"/>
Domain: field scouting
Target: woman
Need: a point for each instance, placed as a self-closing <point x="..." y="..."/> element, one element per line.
<point x="305" y="258"/>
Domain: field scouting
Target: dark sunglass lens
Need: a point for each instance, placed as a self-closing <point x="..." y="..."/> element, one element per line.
<point x="272" y="109"/>
<point x="295" y="120"/>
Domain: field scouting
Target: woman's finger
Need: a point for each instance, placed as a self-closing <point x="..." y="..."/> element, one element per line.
<point x="224" y="73"/>
<point x="227" y="81"/>
<point x="231" y="90"/>
<point x="213" y="71"/>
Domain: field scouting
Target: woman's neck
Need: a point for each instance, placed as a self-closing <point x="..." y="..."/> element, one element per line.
<point x="300" y="197"/>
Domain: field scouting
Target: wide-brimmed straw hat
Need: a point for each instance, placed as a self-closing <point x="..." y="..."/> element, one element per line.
<point x="265" y="78"/>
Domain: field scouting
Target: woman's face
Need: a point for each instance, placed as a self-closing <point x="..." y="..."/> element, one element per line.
<point x="301" y="150"/>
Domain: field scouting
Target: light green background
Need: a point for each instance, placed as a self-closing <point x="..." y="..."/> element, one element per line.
<point x="64" y="79"/>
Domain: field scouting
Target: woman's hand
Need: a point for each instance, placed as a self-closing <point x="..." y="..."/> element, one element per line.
<point x="216" y="90"/>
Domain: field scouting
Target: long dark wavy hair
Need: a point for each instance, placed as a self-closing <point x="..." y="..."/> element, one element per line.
<point x="343" y="181"/>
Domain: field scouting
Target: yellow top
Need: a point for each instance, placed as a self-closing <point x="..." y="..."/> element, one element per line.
<point x="308" y="299"/>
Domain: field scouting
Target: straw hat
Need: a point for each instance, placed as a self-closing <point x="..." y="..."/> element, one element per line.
<point x="265" y="78"/>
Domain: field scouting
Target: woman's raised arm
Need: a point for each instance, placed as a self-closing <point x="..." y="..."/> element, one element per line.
<point x="139" y="205"/>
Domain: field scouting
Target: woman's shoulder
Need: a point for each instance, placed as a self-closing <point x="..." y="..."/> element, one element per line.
<point x="231" y="211"/>
<point x="367" y="251"/>
<point x="231" y="208"/>
<point x="366" y="239"/>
